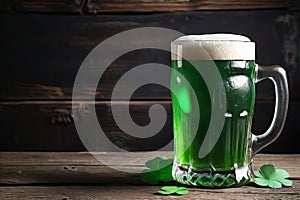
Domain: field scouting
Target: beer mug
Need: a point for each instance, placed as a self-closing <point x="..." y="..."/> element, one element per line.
<point x="213" y="95"/>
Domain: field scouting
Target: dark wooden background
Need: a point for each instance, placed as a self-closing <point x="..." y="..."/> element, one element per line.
<point x="43" y="44"/>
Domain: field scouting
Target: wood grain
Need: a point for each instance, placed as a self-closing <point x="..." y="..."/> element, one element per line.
<point x="39" y="65"/>
<point x="144" y="192"/>
<point x="102" y="6"/>
<point x="54" y="127"/>
<point x="83" y="168"/>
<point x="67" y="175"/>
<point x="56" y="6"/>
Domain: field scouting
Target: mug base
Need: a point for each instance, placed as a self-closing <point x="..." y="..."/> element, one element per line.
<point x="236" y="177"/>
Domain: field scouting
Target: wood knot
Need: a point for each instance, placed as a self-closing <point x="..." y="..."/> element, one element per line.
<point x="70" y="168"/>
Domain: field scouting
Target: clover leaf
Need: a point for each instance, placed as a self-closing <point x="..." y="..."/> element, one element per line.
<point x="167" y="190"/>
<point x="271" y="177"/>
<point x="158" y="169"/>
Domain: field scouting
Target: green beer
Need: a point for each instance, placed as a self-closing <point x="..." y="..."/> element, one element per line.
<point x="228" y="156"/>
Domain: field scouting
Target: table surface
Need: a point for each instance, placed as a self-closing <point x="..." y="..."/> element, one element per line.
<point x="79" y="175"/>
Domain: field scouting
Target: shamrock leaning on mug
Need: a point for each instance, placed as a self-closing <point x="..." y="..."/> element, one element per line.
<point x="213" y="95"/>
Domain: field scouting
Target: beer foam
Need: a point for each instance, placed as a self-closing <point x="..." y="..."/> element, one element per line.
<point x="213" y="47"/>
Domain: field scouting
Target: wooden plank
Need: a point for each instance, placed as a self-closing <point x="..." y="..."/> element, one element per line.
<point x="66" y="168"/>
<point x="68" y="175"/>
<point x="101" y="6"/>
<point x="46" y="65"/>
<point x="82" y="168"/>
<point x="49" y="126"/>
<point x="144" y="192"/>
<point x="136" y="159"/>
<point x="56" y="6"/>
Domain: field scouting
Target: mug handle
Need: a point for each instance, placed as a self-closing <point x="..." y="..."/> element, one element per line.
<point x="278" y="76"/>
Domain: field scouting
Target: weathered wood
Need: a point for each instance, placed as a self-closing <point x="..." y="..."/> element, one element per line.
<point x="18" y="169"/>
<point x="36" y="64"/>
<point x="101" y="6"/>
<point x="54" y="129"/>
<point x="56" y="6"/>
<point x="144" y="192"/>
<point x="134" y="159"/>
<point x="83" y="168"/>
<point x="49" y="126"/>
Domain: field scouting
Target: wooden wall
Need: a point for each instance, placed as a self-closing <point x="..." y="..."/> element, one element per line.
<point x="43" y="44"/>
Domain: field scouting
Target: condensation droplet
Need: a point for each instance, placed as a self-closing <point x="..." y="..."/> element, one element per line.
<point x="228" y="114"/>
<point x="179" y="63"/>
<point x="178" y="79"/>
<point x="244" y="113"/>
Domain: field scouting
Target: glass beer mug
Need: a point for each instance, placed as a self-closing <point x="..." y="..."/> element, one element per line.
<point x="213" y="94"/>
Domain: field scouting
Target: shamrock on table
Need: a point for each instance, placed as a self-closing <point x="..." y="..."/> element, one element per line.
<point x="167" y="190"/>
<point x="158" y="169"/>
<point x="271" y="177"/>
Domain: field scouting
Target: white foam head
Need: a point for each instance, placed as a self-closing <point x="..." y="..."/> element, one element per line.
<point x="213" y="47"/>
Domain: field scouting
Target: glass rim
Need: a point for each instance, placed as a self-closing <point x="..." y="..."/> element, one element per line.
<point x="214" y="38"/>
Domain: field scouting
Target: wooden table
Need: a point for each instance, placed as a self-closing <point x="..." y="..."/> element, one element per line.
<point x="78" y="175"/>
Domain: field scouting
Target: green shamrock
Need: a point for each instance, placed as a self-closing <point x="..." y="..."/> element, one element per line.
<point x="271" y="177"/>
<point x="158" y="169"/>
<point x="167" y="190"/>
